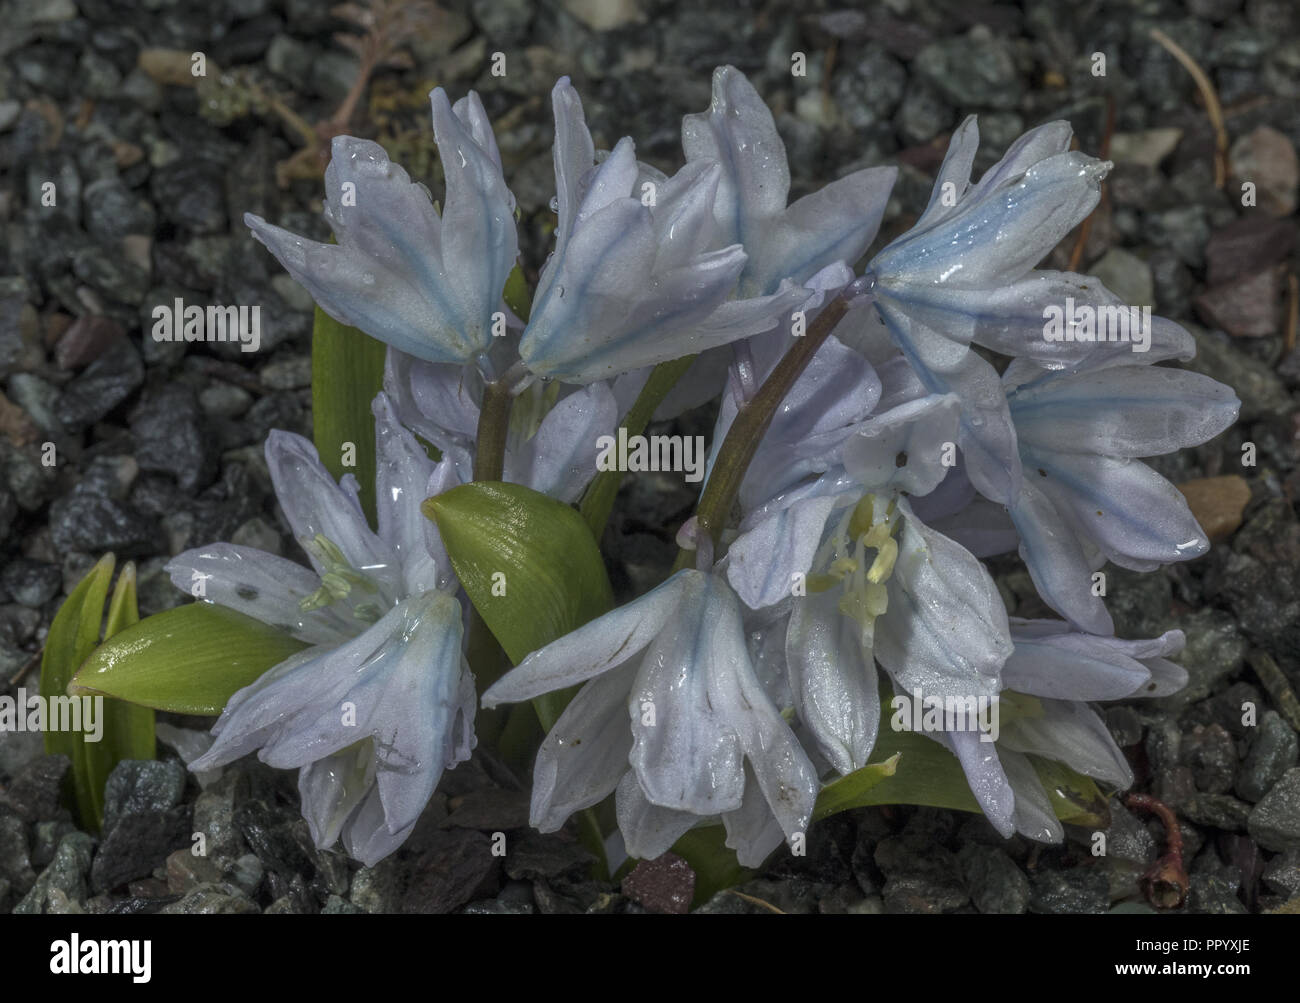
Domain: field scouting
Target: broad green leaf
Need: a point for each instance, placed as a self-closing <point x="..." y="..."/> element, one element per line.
<point x="528" y="562"/>
<point x="925" y="773"/>
<point x="189" y="660"/>
<point x="1076" y="799"/>
<point x="598" y="500"/>
<point x="128" y="730"/>
<point x="71" y="639"/>
<point x="533" y="572"/>
<point x="851" y="791"/>
<point x="347" y="370"/>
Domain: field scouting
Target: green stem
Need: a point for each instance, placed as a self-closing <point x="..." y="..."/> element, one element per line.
<point x="486" y="656"/>
<point x="493" y="424"/>
<point x="752" y="421"/>
<point x="598" y="501"/>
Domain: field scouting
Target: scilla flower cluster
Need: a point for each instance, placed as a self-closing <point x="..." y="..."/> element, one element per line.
<point x="882" y="428"/>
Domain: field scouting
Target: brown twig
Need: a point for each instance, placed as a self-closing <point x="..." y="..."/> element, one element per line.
<point x="27" y="666"/>
<point x="1085" y="228"/>
<point x="1276" y="683"/>
<point x="1212" y="107"/>
<point x="755" y="900"/>
<point x="1165" y="884"/>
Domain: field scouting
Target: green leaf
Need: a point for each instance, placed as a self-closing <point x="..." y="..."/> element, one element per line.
<point x="128" y="730"/>
<point x="925" y="773"/>
<point x="533" y="571"/>
<point x="189" y="660"/>
<point x="1076" y="799"/>
<point x="527" y="562"/>
<point x="598" y="500"/>
<point x="851" y="791"/>
<point x="347" y="370"/>
<point x="71" y="639"/>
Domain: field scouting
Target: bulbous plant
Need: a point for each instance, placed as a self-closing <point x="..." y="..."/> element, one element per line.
<point x="831" y="636"/>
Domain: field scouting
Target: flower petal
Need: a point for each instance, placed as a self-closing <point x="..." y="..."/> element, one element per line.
<point x="261" y="585"/>
<point x="585" y="754"/>
<point x="833" y="681"/>
<point x="596" y="647"/>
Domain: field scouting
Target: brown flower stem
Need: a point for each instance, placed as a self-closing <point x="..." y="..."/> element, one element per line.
<point x="752" y="421"/>
<point x="1165" y="884"/>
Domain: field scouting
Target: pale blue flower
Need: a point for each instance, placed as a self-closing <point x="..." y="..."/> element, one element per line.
<point x="1086" y="497"/>
<point x="1062" y="669"/>
<point x="383" y="701"/>
<point x="835" y="223"/>
<point x="637" y="276"/>
<point x="425" y="283"/>
<point x="673" y="718"/>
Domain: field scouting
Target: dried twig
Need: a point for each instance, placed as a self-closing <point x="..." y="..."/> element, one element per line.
<point x="755" y="900"/>
<point x="1212" y="107"/>
<point x="27" y="666"/>
<point x="1165" y="884"/>
<point x="1085" y="228"/>
<point x="1276" y="684"/>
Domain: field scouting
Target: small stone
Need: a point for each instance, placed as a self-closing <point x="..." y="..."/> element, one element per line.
<point x="535" y="855"/>
<point x="1126" y="275"/>
<point x="210" y="900"/>
<point x="1245" y="307"/>
<point x="15" y="853"/>
<point x="1272" y="753"/>
<point x="185" y="870"/>
<point x="137" y="786"/>
<point x="1262" y="392"/>
<point x="1217" y="503"/>
<point x="170" y="438"/>
<point x="605" y="15"/>
<point x="66" y="877"/>
<point x="35" y="793"/>
<point x="1283" y="873"/>
<point x="224" y="400"/>
<point x="1275" y="821"/>
<point x="86" y="340"/>
<point x="665" y="884"/>
<point x="1247" y="246"/>
<point x="996" y="884"/>
<point x="32" y="583"/>
<point x="488" y="809"/>
<point x="112" y="211"/>
<point x="1218" y="811"/>
<point x="190" y="194"/>
<point x="288" y="373"/>
<point x="1075" y="890"/>
<point x="107" y="381"/>
<point x="1214" y="895"/>
<point x="975" y="69"/>
<point x="1212" y="755"/>
<point x="1266" y="158"/>
<point x="376" y="889"/>
<point x="1147" y="147"/>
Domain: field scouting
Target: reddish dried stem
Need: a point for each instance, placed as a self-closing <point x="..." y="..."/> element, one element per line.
<point x="1165" y="884"/>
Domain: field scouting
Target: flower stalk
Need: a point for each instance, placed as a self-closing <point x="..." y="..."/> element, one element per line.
<point x="752" y="422"/>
